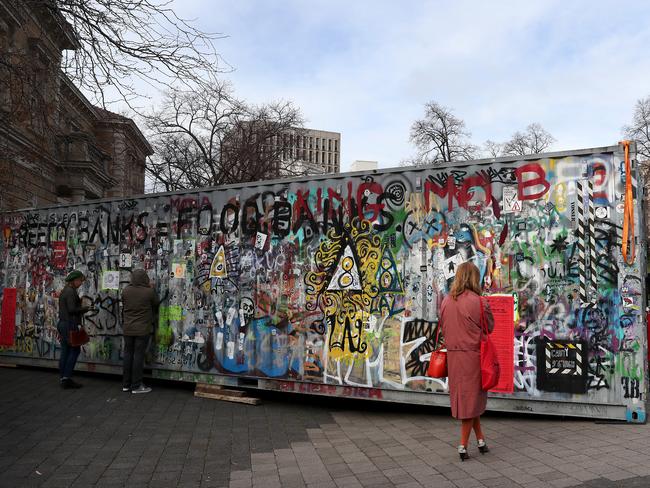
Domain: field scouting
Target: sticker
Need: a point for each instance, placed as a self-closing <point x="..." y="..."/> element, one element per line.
<point x="260" y="240"/>
<point x="511" y="203"/>
<point x="218" y="267"/>
<point x="620" y="208"/>
<point x="450" y="265"/>
<point x="451" y="242"/>
<point x="219" y="344"/>
<point x="230" y="349"/>
<point x="572" y="215"/>
<point x="111" y="280"/>
<point x="602" y="212"/>
<point x="242" y="321"/>
<point x="231" y="315"/>
<point x="220" y="318"/>
<point x="126" y="260"/>
<point x="189" y="248"/>
<point x="178" y="247"/>
<point x="178" y="270"/>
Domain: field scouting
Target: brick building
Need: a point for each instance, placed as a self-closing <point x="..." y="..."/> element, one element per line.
<point x="55" y="146"/>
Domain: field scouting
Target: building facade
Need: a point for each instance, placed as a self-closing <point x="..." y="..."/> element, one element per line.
<point x="318" y="150"/>
<point x="55" y="146"/>
<point x="306" y="151"/>
<point x="363" y="165"/>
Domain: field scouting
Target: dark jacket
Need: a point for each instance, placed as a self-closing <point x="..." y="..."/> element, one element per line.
<point x="139" y="305"/>
<point x="70" y="309"/>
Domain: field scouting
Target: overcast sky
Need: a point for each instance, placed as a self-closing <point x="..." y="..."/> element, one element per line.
<point x="366" y="68"/>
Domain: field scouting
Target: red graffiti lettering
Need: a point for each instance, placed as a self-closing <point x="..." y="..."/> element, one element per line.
<point x="432" y="187"/>
<point x="525" y="182"/>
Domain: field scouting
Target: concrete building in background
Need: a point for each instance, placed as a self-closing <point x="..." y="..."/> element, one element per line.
<point x="363" y="165"/>
<point x="285" y="152"/>
<point x="317" y="151"/>
<point x="55" y="146"/>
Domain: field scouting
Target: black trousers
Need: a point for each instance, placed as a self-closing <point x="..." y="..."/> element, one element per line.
<point x="134" y="349"/>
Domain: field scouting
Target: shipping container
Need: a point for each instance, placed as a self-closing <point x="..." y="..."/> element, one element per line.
<point x="331" y="285"/>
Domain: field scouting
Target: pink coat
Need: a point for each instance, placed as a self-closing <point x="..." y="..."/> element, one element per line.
<point x="461" y="328"/>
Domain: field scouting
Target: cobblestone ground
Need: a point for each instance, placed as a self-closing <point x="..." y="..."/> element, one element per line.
<point x="101" y="437"/>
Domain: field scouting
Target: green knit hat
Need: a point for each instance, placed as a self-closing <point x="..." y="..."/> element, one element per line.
<point x="73" y="275"/>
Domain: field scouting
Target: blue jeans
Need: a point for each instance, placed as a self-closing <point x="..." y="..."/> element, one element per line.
<point x="69" y="354"/>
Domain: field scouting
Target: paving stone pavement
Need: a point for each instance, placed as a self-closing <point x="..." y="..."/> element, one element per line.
<point x="101" y="437"/>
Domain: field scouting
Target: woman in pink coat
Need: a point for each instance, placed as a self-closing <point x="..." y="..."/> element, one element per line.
<point x="460" y="317"/>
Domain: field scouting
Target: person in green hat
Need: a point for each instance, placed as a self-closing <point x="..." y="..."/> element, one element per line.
<point x="70" y="314"/>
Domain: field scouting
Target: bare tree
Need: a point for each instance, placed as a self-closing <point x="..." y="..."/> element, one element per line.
<point x="534" y="140"/>
<point x="493" y="149"/>
<point x="122" y="41"/>
<point x="440" y="137"/>
<point x="208" y="137"/>
<point x="639" y="129"/>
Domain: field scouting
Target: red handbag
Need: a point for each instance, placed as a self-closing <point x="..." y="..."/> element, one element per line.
<point x="490" y="369"/>
<point x="438" y="362"/>
<point x="78" y="336"/>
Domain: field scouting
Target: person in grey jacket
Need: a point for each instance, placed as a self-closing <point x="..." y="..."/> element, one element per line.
<point x="70" y="314"/>
<point x="139" y="307"/>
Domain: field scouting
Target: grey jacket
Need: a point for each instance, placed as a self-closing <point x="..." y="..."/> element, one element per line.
<point x="139" y="305"/>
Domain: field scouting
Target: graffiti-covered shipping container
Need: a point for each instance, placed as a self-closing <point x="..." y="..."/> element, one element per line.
<point x="332" y="285"/>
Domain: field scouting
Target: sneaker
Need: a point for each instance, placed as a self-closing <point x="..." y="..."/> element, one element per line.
<point x="69" y="384"/>
<point x="141" y="389"/>
<point x="126" y="388"/>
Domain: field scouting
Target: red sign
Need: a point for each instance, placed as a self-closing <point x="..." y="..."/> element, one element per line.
<point x="59" y="254"/>
<point x="503" y="338"/>
<point x="8" y="317"/>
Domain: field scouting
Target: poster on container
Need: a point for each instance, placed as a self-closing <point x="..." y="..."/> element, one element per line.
<point x="503" y="338"/>
<point x="8" y="317"/>
<point x="110" y="280"/>
<point x="59" y="254"/>
<point x="562" y="366"/>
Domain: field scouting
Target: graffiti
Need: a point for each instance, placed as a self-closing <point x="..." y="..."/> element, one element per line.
<point x="333" y="286"/>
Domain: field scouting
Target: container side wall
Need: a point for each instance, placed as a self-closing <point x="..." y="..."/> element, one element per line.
<point x="339" y="281"/>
